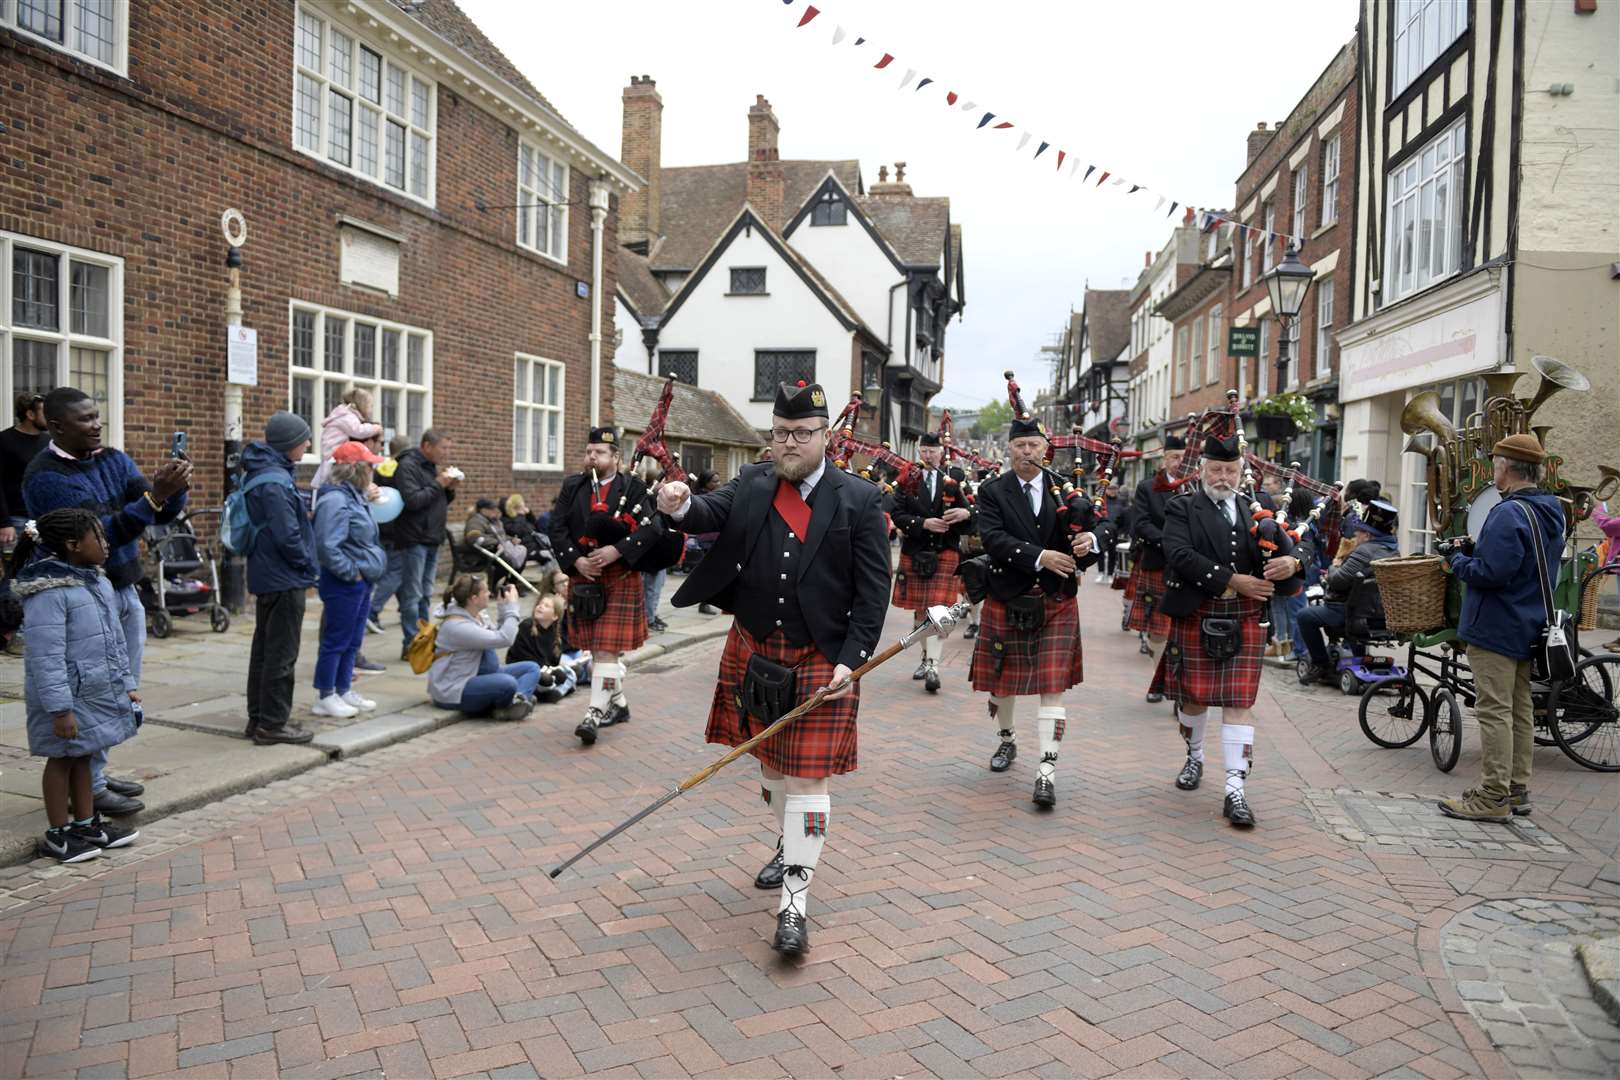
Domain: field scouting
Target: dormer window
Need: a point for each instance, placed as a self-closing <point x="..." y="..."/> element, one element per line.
<point x="830" y="209"/>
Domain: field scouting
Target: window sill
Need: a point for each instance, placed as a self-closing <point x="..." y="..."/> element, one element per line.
<point x="747" y="294"/>
<point x="554" y="260"/>
<point x="522" y="466"/>
<point x="350" y="173"/>
<point x="1328" y="227"/>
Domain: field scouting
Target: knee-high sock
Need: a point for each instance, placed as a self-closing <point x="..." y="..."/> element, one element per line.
<point x="804" y="832"/>
<point x="1001" y="715"/>
<point x="1192" y="731"/>
<point x="1051" y="721"/>
<point x="618" y="690"/>
<point x="775" y="796"/>
<point x="604" y="684"/>
<point x="1238" y="742"/>
<point x="933" y="648"/>
<point x="974" y="618"/>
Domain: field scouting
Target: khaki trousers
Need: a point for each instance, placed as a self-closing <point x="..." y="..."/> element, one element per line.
<point x="1502" y="685"/>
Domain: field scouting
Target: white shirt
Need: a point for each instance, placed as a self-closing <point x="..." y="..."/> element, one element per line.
<point x="806" y="486"/>
<point x="1033" y="495"/>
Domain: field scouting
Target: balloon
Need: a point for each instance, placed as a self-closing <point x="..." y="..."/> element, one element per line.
<point x="387" y="506"/>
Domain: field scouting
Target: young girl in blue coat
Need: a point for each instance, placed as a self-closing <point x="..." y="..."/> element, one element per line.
<point x="77" y="681"/>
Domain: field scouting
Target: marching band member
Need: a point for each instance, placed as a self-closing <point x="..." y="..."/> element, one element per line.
<point x="1217" y="579"/>
<point x="1029" y="637"/>
<point x="1147" y="576"/>
<point x="932" y="519"/>
<point x="802" y="563"/>
<point x="595" y="534"/>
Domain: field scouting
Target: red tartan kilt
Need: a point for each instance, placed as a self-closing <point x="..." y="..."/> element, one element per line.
<point x="623" y="625"/>
<point x="1187" y="675"/>
<point x="1146" y="593"/>
<point x="1044" y="662"/>
<point x="819" y="743"/>
<point x="915" y="593"/>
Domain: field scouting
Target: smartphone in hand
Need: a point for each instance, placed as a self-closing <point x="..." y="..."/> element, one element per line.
<point x="177" y="448"/>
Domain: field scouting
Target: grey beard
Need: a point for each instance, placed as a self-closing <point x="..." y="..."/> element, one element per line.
<point x="1216" y="494"/>
<point x="793" y="472"/>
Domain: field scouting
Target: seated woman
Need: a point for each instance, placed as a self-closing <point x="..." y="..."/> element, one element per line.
<point x="519" y="523"/>
<point x="539" y="640"/>
<point x="467" y="676"/>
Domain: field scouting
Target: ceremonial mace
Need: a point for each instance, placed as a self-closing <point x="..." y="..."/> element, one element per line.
<point x="940" y="622"/>
<point x="507" y="567"/>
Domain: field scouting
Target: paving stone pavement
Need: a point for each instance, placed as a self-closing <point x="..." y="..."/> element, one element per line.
<point x="392" y="915"/>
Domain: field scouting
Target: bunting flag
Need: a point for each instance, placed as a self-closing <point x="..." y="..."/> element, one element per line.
<point x="860" y="41"/>
<point x="911" y="73"/>
<point x="1089" y="170"/>
<point x="950" y="97"/>
<point x="924" y="83"/>
<point x="1101" y="179"/>
<point x="838" y="35"/>
<point x="1158" y="204"/>
<point x="989" y="116"/>
<point x="1060" y="161"/>
<point x="888" y="58"/>
<point x="1023" y="141"/>
<point x="1134" y="189"/>
<point x="1172" y="209"/>
<point x="810" y="12"/>
<point x="1003" y="125"/>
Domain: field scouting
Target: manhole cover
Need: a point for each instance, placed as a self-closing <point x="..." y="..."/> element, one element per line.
<point x="1401" y="822"/>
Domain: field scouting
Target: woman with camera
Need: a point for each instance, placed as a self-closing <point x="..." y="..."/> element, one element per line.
<point x="467" y="675"/>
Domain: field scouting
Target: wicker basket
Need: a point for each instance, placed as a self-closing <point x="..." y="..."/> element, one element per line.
<point x="1589" y="602"/>
<point x="1413" y="589"/>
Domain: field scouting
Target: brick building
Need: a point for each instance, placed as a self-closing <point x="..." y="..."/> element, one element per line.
<point x="377" y="150"/>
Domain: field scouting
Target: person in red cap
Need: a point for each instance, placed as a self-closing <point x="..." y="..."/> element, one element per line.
<point x="351" y="558"/>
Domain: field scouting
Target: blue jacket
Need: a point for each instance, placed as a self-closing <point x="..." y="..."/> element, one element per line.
<point x="1502" y="609"/>
<point x="283" y="553"/>
<point x="76" y="660"/>
<point x="346" y="535"/>
<point x="109" y="484"/>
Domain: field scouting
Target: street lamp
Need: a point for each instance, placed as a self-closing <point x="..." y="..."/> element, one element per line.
<point x="1287" y="285"/>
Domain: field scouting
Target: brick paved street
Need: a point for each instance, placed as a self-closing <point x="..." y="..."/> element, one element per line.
<point x="391" y="914"/>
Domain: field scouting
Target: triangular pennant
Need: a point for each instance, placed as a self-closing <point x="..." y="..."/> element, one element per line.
<point x="1003" y="124"/>
<point x="1042" y="149"/>
<point x="1074" y="166"/>
<point x="924" y="83"/>
<point x="1061" y="155"/>
<point x="1023" y="140"/>
<point x="1171" y="210"/>
<point x="1134" y="189"/>
<point x="1101" y="179"/>
<point x="809" y="13"/>
<point x="1159" y="203"/>
<point x="860" y="41"/>
<point x="950" y="97"/>
<point x="1089" y="170"/>
<point x="1118" y="182"/>
<point x="838" y="35"/>
<point x="911" y="73"/>
<point x="989" y="116"/>
<point x="888" y="58"/>
<point x="969" y="106"/>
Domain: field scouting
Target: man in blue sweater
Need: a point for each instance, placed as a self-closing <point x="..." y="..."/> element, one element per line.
<point x="75" y="470"/>
<point x="1502" y="616"/>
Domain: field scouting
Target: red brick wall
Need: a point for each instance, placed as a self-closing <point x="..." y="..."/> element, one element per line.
<point x="142" y="167"/>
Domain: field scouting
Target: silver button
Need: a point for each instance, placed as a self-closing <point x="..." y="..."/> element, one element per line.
<point x="787" y="554"/>
<point x="739" y="566"/>
<point x="778" y="622"/>
<point x="781" y="599"/>
<point x="784" y="577"/>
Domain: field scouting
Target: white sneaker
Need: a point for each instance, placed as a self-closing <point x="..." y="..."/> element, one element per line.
<point x="335" y="707"/>
<point x="353" y="699"/>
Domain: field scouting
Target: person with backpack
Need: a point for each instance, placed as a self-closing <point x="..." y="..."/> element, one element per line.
<point x="265" y="518"/>
<point x="466" y="674"/>
<point x="351" y="559"/>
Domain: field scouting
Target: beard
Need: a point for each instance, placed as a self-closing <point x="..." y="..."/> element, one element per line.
<point x="1219" y="490"/>
<point x="795" y="469"/>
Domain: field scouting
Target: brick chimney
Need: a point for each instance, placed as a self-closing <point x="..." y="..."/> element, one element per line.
<point x="640" y="149"/>
<point x="766" y="186"/>
<point x="1257" y="140"/>
<point x="885" y="186"/>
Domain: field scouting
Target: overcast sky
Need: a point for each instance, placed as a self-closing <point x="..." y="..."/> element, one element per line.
<point x="1162" y="92"/>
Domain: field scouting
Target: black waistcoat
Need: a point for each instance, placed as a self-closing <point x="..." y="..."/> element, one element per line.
<point x="766" y="597"/>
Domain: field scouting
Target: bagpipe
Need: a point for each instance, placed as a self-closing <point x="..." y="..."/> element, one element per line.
<point x="1079" y="512"/>
<point x="843" y="445"/>
<point x="947" y="438"/>
<point x="603" y="527"/>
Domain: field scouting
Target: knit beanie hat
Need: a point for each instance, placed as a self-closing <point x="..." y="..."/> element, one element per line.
<point x="285" y="430"/>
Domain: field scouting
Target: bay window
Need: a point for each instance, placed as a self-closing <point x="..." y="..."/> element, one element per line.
<point x="1425" y="215"/>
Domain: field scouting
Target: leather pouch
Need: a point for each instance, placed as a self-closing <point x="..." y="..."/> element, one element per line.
<point x="767" y="689"/>
<point x="1222" y="638"/>
<point x="587" y="600"/>
<point x="1026" y="613"/>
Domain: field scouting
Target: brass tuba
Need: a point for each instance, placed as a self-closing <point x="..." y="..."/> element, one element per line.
<point x="1435" y="438"/>
<point x="1609" y="484"/>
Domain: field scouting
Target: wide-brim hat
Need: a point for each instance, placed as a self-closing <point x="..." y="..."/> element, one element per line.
<point x="1520" y="448"/>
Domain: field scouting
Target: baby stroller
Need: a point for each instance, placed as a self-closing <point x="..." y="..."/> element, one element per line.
<point x="179" y="577"/>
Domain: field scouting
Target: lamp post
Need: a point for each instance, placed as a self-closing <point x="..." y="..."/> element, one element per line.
<point x="1287" y="285"/>
<point x="233" y="571"/>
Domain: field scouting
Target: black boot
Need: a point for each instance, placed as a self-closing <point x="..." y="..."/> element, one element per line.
<point x="1237" y="811"/>
<point x="931" y="677"/>
<point x="770" y="875"/>
<point x="792" y="933"/>
<point x="1002" y="759"/>
<point x="1191" y="773"/>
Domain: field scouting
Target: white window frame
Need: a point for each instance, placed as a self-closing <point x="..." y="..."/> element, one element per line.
<point x="347" y="377"/>
<point x="1213" y="363"/>
<point x="543" y="198"/>
<point x="1407" y="187"/>
<point x="535" y="408"/>
<point x="1180" y="374"/>
<point x="1423" y="30"/>
<point x="1262" y="364"/>
<point x="1248" y="257"/>
<point x="1324" y="326"/>
<point x="1268" y="241"/>
<point x="1302" y="189"/>
<point x="1330" y="180"/>
<point x="326" y="87"/>
<point x="63" y="337"/>
<point x="119" y="64"/>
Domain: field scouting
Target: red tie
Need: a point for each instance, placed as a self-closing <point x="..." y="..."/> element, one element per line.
<point x="794" y="510"/>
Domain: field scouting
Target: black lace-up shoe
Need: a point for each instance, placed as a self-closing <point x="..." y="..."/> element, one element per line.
<point x="1237" y="811"/>
<point x="618" y="712"/>
<point x="587" y="727"/>
<point x="1002" y="759"/>
<point x="1045" y="793"/>
<point x="971" y="632"/>
<point x="931" y="678"/>
<point x="1154" y="697"/>
<point x="921" y="672"/>
<point x="128" y="788"/>
<point x="792" y="933"/>
<point x="770" y="875"/>
<point x="1191" y="773"/>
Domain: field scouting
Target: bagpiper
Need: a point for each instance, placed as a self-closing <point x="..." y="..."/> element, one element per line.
<point x="596" y="534"/>
<point x="1146" y="586"/>
<point x="1219" y="575"/>
<point x="932" y="515"/>
<point x="1029" y="632"/>
<point x="802" y="565"/>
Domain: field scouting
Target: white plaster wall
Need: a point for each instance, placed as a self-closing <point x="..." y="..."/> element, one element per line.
<point x="848" y="257"/>
<point x="725" y="330"/>
<point x="631" y="351"/>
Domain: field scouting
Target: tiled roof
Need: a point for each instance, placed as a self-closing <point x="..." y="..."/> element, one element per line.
<point x="1108" y="311"/>
<point x="698" y="203"/>
<point x="647" y="296"/>
<point x="917" y="229"/>
<point x="699" y="415"/>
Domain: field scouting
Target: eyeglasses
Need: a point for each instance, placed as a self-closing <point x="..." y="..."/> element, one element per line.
<point x="798" y="435"/>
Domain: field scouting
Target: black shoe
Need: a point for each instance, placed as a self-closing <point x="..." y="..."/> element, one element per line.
<point x="657" y="625"/>
<point x="618" y="712"/>
<point x="587" y="727"/>
<point x="922" y="670"/>
<point x="125" y="787"/>
<point x="1002" y="759"/>
<point x="104" y="835"/>
<point x="1154" y="697"/>
<point x="1191" y="773"/>
<point x="1327" y="676"/>
<point x="290" y="734"/>
<point x="66" y="846"/>
<point x="971" y="632"/>
<point x="1145" y="649"/>
<point x="1237" y="811"/>
<point x="792" y="933"/>
<point x="770" y="875"/>
<point x="112" y="804"/>
<point x="931" y="678"/>
<point x="1045" y="793"/>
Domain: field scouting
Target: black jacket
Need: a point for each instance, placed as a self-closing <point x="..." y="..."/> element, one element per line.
<point x="1147" y="522"/>
<point x="1357" y="565"/>
<point x="1012" y="536"/>
<point x="427" y="502"/>
<point x="571" y="520"/>
<point x="910" y="511"/>
<point x="843" y="583"/>
<point x="1200" y="557"/>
